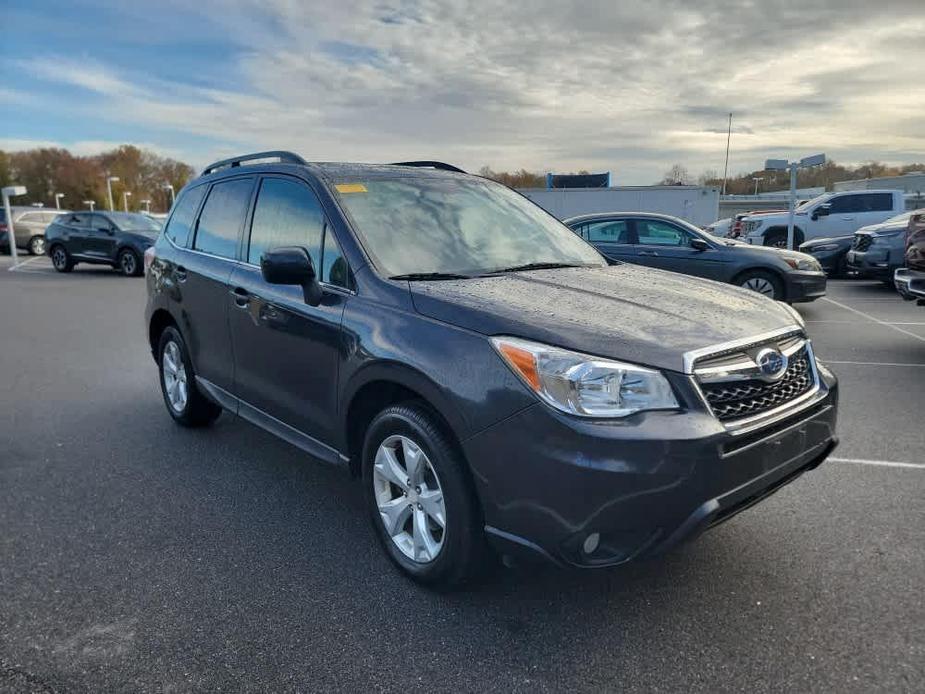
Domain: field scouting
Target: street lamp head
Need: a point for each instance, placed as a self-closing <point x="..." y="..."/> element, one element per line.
<point x="60" y="195"/>
<point x="168" y="186"/>
<point x="12" y="191"/>
<point x="114" y="179"/>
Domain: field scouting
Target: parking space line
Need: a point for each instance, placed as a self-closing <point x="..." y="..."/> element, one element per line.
<point x="854" y="322"/>
<point x="870" y="363"/>
<point x="879" y="463"/>
<point x="874" y="319"/>
<point x="18" y="266"/>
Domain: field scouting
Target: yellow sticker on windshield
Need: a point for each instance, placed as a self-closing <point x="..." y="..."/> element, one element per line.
<point x="350" y="188"/>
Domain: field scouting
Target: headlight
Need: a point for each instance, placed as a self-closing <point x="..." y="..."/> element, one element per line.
<point x="796" y="314"/>
<point x="888" y="234"/>
<point x="823" y="247"/>
<point x="809" y="264"/>
<point x="583" y="385"/>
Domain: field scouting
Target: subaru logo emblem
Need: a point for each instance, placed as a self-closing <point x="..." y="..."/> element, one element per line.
<point x="771" y="363"/>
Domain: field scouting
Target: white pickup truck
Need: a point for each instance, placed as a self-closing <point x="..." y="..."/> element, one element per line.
<point x="830" y="214"/>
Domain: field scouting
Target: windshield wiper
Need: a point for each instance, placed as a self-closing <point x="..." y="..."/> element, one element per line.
<point x="535" y="266"/>
<point x="423" y="276"/>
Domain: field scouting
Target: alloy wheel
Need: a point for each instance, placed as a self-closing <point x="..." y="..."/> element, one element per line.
<point x="174" y="375"/>
<point x="59" y="258"/>
<point x="128" y="263"/>
<point x="760" y="285"/>
<point x="409" y="498"/>
<point x="37" y="245"/>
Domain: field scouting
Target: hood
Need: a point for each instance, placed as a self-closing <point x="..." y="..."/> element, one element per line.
<point x="883" y="226"/>
<point x="828" y="239"/>
<point x="626" y="312"/>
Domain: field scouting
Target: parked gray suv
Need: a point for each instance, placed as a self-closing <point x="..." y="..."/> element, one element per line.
<point x="488" y="377"/>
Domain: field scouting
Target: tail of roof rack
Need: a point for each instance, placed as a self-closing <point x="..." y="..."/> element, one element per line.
<point x="430" y="165"/>
<point x="280" y="155"/>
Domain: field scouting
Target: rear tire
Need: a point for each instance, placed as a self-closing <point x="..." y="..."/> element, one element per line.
<point x="764" y="283"/>
<point x="61" y="259"/>
<point x="37" y="245"/>
<point x="416" y="543"/>
<point x="184" y="402"/>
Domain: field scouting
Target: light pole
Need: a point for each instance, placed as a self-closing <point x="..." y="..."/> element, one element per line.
<point x="90" y="203"/>
<point x="173" y="195"/>
<point x="757" y="180"/>
<point x="9" y="192"/>
<point x="147" y="204"/>
<point x="109" y="181"/>
<point x="125" y="196"/>
<point x="58" y="197"/>
<point x="793" y="166"/>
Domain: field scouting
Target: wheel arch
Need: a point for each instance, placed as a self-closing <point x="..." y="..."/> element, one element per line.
<point x="160" y="321"/>
<point x="383" y="384"/>
<point x="773" y="271"/>
<point x="798" y="235"/>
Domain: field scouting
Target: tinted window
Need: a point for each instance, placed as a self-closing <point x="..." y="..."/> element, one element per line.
<point x="129" y="221"/>
<point x="100" y="221"/>
<point x="30" y="217"/>
<point x="76" y="219"/>
<point x="459" y="225"/>
<point x="655" y="233"/>
<point x="334" y="266"/>
<point x="846" y="203"/>
<point x="614" y="231"/>
<point x="287" y="214"/>
<point x="49" y="217"/>
<point x="878" y="202"/>
<point x="222" y="216"/>
<point x="182" y="220"/>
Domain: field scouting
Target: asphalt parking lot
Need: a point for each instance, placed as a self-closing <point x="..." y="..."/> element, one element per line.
<point x="138" y="556"/>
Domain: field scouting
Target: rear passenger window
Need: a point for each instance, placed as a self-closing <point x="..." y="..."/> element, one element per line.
<point x="287" y="213"/>
<point x="222" y="217"/>
<point x="613" y="231"/>
<point x="77" y="220"/>
<point x="334" y="270"/>
<point x="878" y="202"/>
<point x="178" y="228"/>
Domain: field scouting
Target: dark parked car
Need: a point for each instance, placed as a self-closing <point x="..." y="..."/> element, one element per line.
<point x="482" y="370"/>
<point x="118" y="239"/>
<point x="910" y="280"/>
<point x="29" y="224"/>
<point x="669" y="243"/>
<point x="832" y="253"/>
<point x="878" y="249"/>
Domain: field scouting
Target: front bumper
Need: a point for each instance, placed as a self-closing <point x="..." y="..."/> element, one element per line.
<point x="871" y="264"/>
<point x="804" y="286"/>
<point x="549" y="482"/>
<point x="910" y="284"/>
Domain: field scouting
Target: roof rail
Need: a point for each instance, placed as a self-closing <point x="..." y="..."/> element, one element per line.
<point x="284" y="157"/>
<point x="429" y="165"/>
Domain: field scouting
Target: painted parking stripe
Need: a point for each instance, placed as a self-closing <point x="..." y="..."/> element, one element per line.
<point x="874" y="319"/>
<point x="19" y="266"/>
<point x="854" y="322"/>
<point x="868" y="363"/>
<point x="878" y="463"/>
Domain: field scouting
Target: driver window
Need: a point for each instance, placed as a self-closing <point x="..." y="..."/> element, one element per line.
<point x="653" y="232"/>
<point x="611" y="231"/>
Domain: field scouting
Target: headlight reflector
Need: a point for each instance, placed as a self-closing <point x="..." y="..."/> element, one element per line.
<point x="583" y="385"/>
<point x="803" y="263"/>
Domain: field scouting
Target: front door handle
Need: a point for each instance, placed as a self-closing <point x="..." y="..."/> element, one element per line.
<point x="648" y="252"/>
<point x="848" y="219"/>
<point x="241" y="297"/>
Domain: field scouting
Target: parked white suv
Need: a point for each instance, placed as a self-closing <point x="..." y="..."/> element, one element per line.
<point x="830" y="214"/>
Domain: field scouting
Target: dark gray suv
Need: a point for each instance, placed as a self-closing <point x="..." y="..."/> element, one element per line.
<point x="483" y="371"/>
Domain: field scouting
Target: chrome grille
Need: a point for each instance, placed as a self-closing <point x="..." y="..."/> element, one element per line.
<point x="734" y="400"/>
<point x="862" y="242"/>
<point x="735" y="389"/>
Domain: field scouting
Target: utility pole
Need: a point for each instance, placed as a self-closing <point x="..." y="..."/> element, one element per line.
<point x="726" y="167"/>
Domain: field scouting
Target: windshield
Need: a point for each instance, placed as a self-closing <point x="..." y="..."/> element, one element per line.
<point x="456" y="226"/>
<point x="128" y="221"/>
<point x="818" y="198"/>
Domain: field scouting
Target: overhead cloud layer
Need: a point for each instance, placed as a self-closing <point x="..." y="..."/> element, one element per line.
<point x="628" y="87"/>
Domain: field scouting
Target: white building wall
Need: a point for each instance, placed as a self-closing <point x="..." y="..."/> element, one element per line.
<point x="693" y="203"/>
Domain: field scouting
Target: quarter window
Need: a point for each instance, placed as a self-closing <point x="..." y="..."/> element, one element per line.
<point x="178" y="228"/>
<point x="222" y="217"/>
<point x="334" y="265"/>
<point x="287" y="213"/>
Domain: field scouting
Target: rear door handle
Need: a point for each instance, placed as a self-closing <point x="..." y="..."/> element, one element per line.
<point x="180" y="272"/>
<point x="648" y="253"/>
<point x="241" y="297"/>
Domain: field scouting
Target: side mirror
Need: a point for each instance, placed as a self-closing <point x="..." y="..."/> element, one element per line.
<point x="107" y="230"/>
<point x="699" y="245"/>
<point x="823" y="210"/>
<point x="292" y="265"/>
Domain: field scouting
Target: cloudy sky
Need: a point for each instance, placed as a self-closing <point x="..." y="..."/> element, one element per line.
<point x="547" y="85"/>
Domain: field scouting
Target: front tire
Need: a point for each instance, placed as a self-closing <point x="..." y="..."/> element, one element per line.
<point x="185" y="403"/>
<point x="37" y="245"/>
<point x="762" y="282"/>
<point x="128" y="263"/>
<point x="61" y="259"/>
<point x="420" y="498"/>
